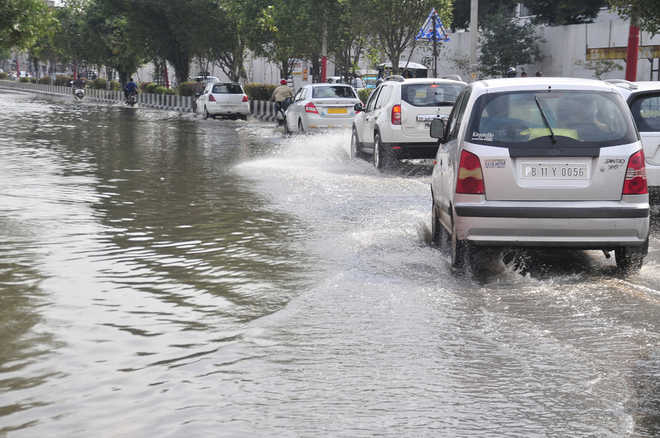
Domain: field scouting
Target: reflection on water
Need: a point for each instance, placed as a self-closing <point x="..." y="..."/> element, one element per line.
<point x="167" y="275"/>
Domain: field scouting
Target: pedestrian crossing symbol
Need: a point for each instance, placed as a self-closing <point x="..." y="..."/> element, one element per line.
<point x="427" y="30"/>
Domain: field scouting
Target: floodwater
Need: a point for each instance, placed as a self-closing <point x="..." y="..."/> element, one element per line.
<point x="163" y="275"/>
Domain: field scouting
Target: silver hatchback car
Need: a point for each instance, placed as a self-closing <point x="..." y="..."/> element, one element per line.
<point x="540" y="162"/>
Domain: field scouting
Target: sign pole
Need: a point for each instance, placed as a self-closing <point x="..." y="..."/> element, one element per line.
<point x="435" y="48"/>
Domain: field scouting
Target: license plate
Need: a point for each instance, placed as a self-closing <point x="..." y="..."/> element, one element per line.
<point x="557" y="171"/>
<point x="337" y="111"/>
<point x="426" y="117"/>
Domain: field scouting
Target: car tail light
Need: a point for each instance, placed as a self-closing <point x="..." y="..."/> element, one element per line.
<point x="396" y="115"/>
<point x="470" y="178"/>
<point x="211" y="98"/>
<point x="245" y="98"/>
<point x="635" y="182"/>
<point x="311" y="108"/>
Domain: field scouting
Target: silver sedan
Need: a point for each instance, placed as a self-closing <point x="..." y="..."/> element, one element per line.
<point x="321" y="106"/>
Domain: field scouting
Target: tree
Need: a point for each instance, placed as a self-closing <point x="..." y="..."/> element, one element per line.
<point x="559" y="12"/>
<point x="111" y="40"/>
<point x="347" y="35"/>
<point x="395" y="23"/>
<point x="22" y="22"/>
<point x="601" y="66"/>
<point x="648" y="12"/>
<point x="506" y="43"/>
<point x="461" y="11"/>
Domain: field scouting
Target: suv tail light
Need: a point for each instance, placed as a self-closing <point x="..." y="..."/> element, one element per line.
<point x="470" y="178"/>
<point x="311" y="108"/>
<point x="635" y="182"/>
<point x="245" y="98"/>
<point x="211" y="98"/>
<point x="396" y="115"/>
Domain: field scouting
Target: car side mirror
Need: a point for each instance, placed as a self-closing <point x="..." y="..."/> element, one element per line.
<point x="358" y="107"/>
<point x="438" y="129"/>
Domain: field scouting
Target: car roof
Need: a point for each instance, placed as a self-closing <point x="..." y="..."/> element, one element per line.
<point x="431" y="81"/>
<point x="540" y="83"/>
<point x="329" y="85"/>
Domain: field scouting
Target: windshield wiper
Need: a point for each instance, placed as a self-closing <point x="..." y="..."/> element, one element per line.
<point x="545" y="119"/>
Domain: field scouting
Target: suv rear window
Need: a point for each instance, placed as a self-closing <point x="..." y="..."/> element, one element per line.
<point x="646" y="111"/>
<point x="227" y="89"/>
<point x="576" y="117"/>
<point x="430" y="94"/>
<point x="333" y="92"/>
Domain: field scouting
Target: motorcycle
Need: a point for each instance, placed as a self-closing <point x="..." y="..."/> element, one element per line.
<point x="280" y="111"/>
<point x="78" y="93"/>
<point x="131" y="100"/>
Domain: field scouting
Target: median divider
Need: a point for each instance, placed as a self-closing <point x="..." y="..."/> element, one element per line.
<point x="260" y="109"/>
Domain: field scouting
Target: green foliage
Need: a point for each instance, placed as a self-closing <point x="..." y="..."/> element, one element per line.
<point x="256" y="91"/>
<point x="558" y="12"/>
<point x="23" y="79"/>
<point x="486" y="9"/>
<point x="364" y="93"/>
<point x="163" y="90"/>
<point x="99" y="84"/>
<point x="4" y="75"/>
<point x="44" y="80"/>
<point x="23" y="22"/>
<point x="188" y="88"/>
<point x="63" y="80"/>
<point x="150" y="87"/>
<point x="506" y="43"/>
<point x="601" y="66"/>
<point x="115" y="86"/>
<point x="648" y="12"/>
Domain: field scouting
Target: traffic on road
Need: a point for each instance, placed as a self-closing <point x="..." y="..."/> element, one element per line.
<point x="192" y="276"/>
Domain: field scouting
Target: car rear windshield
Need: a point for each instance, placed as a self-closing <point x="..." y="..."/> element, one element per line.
<point x="333" y="92"/>
<point x="575" y="117"/>
<point x="430" y="94"/>
<point x="227" y="89"/>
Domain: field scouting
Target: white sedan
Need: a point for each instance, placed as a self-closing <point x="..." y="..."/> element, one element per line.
<point x="224" y="99"/>
<point x="320" y="106"/>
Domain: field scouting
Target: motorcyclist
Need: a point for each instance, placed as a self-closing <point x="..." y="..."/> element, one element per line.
<point x="130" y="88"/>
<point x="511" y="72"/>
<point x="280" y="94"/>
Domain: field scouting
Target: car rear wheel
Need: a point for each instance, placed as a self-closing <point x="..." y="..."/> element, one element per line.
<point x="382" y="157"/>
<point x="206" y="113"/>
<point x="301" y="128"/>
<point x="436" y="227"/>
<point x="629" y="259"/>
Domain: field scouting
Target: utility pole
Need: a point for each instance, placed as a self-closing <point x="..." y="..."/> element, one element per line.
<point x="633" y="45"/>
<point x="474" y="33"/>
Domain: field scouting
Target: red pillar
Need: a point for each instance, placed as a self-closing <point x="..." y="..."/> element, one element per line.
<point x="633" y="51"/>
<point x="324" y="69"/>
<point x="18" y="68"/>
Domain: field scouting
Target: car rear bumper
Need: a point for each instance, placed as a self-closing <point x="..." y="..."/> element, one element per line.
<point x="228" y="110"/>
<point x="413" y="150"/>
<point x="317" y="122"/>
<point x="588" y="225"/>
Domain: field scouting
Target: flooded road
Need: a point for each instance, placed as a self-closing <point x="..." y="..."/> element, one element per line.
<point x="163" y="275"/>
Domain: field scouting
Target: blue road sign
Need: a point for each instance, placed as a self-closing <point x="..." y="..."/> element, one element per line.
<point x="426" y="32"/>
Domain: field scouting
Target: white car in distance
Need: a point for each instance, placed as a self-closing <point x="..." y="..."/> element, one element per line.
<point x="224" y="99"/>
<point x="321" y="106"/>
